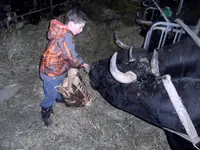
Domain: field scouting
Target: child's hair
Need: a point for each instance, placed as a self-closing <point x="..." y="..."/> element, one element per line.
<point x="75" y="15"/>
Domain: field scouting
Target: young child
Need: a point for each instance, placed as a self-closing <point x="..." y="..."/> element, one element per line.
<point x="59" y="57"/>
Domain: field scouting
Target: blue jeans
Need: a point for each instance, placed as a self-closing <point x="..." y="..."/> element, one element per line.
<point x="50" y="93"/>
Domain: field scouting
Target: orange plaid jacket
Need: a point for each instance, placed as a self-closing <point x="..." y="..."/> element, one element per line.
<point x="60" y="54"/>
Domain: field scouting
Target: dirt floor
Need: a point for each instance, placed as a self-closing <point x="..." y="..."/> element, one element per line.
<point x="96" y="127"/>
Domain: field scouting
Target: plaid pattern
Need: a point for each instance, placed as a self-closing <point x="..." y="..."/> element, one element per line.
<point x="57" y="58"/>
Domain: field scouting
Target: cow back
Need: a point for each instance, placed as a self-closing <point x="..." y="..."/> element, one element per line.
<point x="180" y="59"/>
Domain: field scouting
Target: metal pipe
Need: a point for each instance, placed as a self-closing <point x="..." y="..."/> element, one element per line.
<point x="159" y="26"/>
<point x="143" y="22"/>
<point x="161" y="37"/>
<point x="32" y="12"/>
<point x="189" y="31"/>
<point x="163" y="14"/>
<point x="152" y="15"/>
<point x="180" y="35"/>
<point x="175" y="37"/>
<point x="197" y="28"/>
<point x="179" y="7"/>
<point x="164" y="38"/>
<point x="146" y="11"/>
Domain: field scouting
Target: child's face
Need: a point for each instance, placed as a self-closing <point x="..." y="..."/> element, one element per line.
<point x="76" y="28"/>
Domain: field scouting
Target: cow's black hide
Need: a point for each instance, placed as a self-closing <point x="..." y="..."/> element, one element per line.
<point x="147" y="98"/>
<point x="180" y="59"/>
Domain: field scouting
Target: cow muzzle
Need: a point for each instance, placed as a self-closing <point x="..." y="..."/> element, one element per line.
<point x="121" y="77"/>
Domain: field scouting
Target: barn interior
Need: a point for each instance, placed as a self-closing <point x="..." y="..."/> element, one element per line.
<point x="99" y="126"/>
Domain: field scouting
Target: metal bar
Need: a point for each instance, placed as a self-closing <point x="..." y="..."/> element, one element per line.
<point x="45" y="3"/>
<point x="179" y="37"/>
<point x="161" y="37"/>
<point x="180" y="109"/>
<point x="152" y="14"/>
<point x="163" y="14"/>
<point x="145" y="12"/>
<point x="164" y="24"/>
<point x="189" y="31"/>
<point x="51" y="5"/>
<point x="32" y="12"/>
<point x="179" y="7"/>
<point x="143" y="22"/>
<point x="197" y="28"/>
<point x="175" y="37"/>
<point x="159" y="26"/>
<point x="164" y="39"/>
<point x="147" y="40"/>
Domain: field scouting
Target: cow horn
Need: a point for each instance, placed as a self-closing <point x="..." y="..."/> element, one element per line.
<point x="120" y="43"/>
<point x="127" y="77"/>
<point x="155" y="64"/>
<point x="131" y="59"/>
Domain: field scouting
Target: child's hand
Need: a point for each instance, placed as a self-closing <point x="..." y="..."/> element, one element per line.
<point x="86" y="67"/>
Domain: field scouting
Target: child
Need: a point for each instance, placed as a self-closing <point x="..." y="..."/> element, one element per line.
<point x="59" y="57"/>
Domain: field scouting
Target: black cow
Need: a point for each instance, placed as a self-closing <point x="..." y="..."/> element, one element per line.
<point x="141" y="93"/>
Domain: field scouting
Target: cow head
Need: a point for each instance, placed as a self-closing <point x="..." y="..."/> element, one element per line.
<point x="135" y="59"/>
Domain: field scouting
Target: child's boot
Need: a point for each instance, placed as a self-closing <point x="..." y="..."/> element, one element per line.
<point x="46" y="113"/>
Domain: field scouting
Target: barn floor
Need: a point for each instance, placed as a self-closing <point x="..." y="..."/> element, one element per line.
<point x="96" y="127"/>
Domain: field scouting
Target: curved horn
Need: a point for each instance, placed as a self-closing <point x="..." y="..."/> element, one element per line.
<point x="131" y="59"/>
<point x="119" y="43"/>
<point x="155" y="64"/>
<point x="127" y="77"/>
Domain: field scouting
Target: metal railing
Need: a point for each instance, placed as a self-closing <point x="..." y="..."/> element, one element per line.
<point x="177" y="29"/>
<point x="146" y="12"/>
<point x="153" y="9"/>
<point x="164" y="28"/>
<point x="42" y="9"/>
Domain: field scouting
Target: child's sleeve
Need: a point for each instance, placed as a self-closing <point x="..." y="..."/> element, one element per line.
<point x="69" y="41"/>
